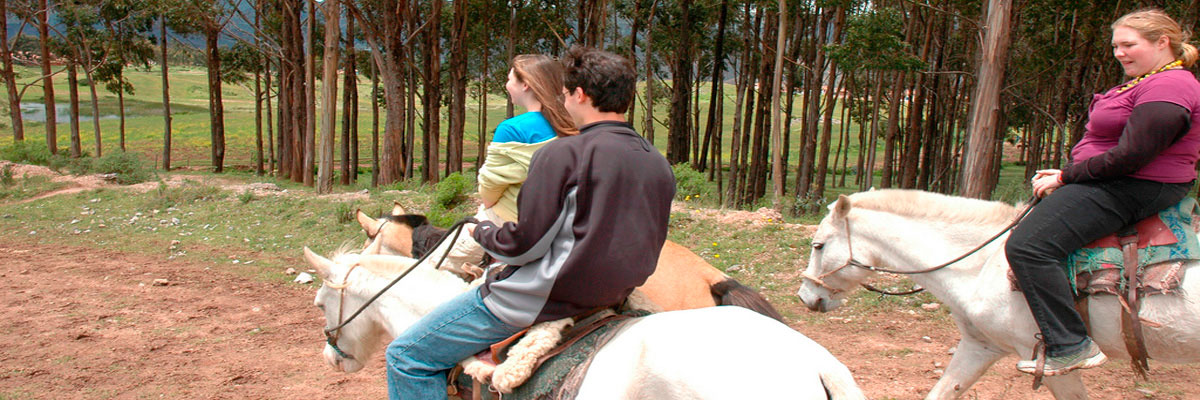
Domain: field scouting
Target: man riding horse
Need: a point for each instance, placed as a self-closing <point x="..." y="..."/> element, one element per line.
<point x="594" y="215"/>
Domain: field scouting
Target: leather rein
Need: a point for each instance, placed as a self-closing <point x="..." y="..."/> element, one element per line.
<point x="851" y="262"/>
<point x="332" y="334"/>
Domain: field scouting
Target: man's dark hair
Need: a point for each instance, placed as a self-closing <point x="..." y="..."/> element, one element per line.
<point x="605" y="77"/>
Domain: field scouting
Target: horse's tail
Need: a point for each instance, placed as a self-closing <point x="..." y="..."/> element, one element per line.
<point x="732" y="293"/>
<point x="839" y="384"/>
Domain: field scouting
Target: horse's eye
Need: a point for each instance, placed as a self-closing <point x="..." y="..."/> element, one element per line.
<point x="818" y="245"/>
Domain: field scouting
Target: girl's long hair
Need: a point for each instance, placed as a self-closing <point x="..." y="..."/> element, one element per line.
<point x="544" y="76"/>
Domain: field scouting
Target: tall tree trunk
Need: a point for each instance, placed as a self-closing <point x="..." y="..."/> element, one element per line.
<point x="648" y="122"/>
<point x="73" y="92"/>
<point x="350" y="107"/>
<point x="812" y="108"/>
<point x="121" y="115"/>
<point x="458" y="89"/>
<point x="48" y="81"/>
<point x="216" y="107"/>
<point x="14" y="99"/>
<point x="166" y="93"/>
<point x="985" y="128"/>
<point x="329" y="84"/>
<point x="95" y="108"/>
<point x="635" y="26"/>
<point x="830" y="103"/>
<point x="715" y="96"/>
<point x="270" y="125"/>
<point x="433" y="94"/>
<point x="510" y="49"/>
<point x="310" y="95"/>
<point x="375" y="170"/>
<point x="679" y="131"/>
<point x="258" y="100"/>
<point x="776" y="136"/>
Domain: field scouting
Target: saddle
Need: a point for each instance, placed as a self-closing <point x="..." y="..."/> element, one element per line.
<point x="552" y="356"/>
<point x="1139" y="260"/>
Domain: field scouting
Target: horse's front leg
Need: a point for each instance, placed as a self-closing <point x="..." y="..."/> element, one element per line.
<point x="970" y="361"/>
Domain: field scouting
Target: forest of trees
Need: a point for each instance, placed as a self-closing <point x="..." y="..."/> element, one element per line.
<point x="935" y="85"/>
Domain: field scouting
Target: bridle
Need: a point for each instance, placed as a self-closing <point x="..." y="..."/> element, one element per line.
<point x="332" y="334"/>
<point x="851" y="262"/>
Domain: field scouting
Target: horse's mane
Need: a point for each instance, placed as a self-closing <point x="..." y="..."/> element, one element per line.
<point x="348" y="255"/>
<point x="935" y="206"/>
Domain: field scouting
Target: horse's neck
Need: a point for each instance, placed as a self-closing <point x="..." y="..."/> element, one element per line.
<point x="907" y="244"/>
<point x="417" y="294"/>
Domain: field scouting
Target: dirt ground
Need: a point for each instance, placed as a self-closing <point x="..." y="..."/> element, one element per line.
<point x="91" y="324"/>
<point x="82" y="323"/>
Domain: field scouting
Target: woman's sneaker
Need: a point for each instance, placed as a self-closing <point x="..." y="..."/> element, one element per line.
<point x="1087" y="357"/>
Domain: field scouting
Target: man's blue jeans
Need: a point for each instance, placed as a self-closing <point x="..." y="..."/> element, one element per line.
<point x="419" y="359"/>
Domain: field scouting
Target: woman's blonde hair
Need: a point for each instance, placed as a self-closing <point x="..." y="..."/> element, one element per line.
<point x="1152" y="24"/>
<point x="544" y="76"/>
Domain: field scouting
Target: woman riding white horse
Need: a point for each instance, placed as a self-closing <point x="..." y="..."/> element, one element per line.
<point x="911" y="230"/>
<point x="709" y="353"/>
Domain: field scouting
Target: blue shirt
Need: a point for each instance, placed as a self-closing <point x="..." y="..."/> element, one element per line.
<point x="530" y="127"/>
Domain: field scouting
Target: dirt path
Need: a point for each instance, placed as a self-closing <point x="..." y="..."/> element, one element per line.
<point x="82" y="323"/>
<point x="90" y="324"/>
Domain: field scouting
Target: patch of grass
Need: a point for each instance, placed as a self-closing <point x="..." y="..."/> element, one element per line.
<point x="16" y="394"/>
<point x="246" y="196"/>
<point x="6" y="176"/>
<point x="27" y="187"/>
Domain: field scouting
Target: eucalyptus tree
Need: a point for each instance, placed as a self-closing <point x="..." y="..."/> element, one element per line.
<point x="47" y="78"/>
<point x="6" y="73"/>
<point x="385" y="27"/>
<point x="128" y="24"/>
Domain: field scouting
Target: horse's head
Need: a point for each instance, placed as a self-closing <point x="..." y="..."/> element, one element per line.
<point x="829" y="276"/>
<point x="338" y="298"/>
<point x="398" y="233"/>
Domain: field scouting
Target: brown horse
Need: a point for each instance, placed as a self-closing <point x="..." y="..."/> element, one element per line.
<point x="682" y="280"/>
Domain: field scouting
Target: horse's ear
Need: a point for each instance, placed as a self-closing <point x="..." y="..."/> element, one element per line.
<point x="842" y="207"/>
<point x="367" y="223"/>
<point x="397" y="209"/>
<point x="323" y="265"/>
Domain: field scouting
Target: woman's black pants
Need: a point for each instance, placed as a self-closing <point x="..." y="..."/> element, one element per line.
<point x="1066" y="220"/>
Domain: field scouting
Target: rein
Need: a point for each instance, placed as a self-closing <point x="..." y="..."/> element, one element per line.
<point x="332" y="334"/>
<point x="851" y="262"/>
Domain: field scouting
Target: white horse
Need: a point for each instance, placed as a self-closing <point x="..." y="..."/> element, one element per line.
<point x="710" y="353"/>
<point x="911" y="230"/>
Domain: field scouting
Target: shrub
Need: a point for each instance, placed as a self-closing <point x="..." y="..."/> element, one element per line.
<point x="26" y="152"/>
<point x="691" y="184"/>
<point x="451" y="191"/>
<point x="6" y="176"/>
<point x="129" y="167"/>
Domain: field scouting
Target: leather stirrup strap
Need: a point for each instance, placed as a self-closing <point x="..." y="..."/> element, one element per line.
<point x="1039" y="354"/>
<point x="1131" y="324"/>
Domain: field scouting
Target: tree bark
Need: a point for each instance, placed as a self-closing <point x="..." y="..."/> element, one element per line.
<point x="329" y="84"/>
<point x="216" y="107"/>
<point x="350" y="109"/>
<point x="776" y="135"/>
<point x="433" y="95"/>
<point x="310" y="96"/>
<point x="14" y="99"/>
<point x="48" y="81"/>
<point x="458" y="89"/>
<point x="984" y="140"/>
<point x="73" y="92"/>
<point x="715" y="98"/>
<point x="679" y="131"/>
